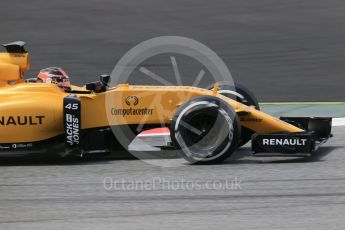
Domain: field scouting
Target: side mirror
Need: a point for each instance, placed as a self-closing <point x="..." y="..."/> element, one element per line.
<point x="91" y="86"/>
<point x="105" y="79"/>
<point x="97" y="87"/>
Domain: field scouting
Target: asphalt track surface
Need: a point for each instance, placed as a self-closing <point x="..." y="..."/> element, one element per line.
<point x="282" y="50"/>
<point x="271" y="193"/>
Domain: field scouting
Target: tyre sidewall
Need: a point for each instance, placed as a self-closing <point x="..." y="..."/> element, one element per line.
<point x="231" y="131"/>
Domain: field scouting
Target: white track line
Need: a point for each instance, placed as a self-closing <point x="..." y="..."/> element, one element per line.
<point x="340" y="121"/>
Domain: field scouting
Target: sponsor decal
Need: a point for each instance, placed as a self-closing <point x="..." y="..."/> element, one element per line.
<point x="131" y="112"/>
<point x="72" y="129"/>
<point x="132" y="100"/>
<point x="21" y="120"/>
<point x="4" y="147"/>
<point x="17" y="146"/>
<point x="22" y="146"/>
<point x="282" y="142"/>
<point x="72" y="120"/>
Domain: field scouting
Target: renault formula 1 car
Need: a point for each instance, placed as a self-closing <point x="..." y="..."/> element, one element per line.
<point x="207" y="125"/>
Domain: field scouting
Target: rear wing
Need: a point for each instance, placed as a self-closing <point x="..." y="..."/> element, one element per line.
<point x="15" y="47"/>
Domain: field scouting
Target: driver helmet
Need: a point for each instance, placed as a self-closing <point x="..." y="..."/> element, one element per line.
<point x="55" y="75"/>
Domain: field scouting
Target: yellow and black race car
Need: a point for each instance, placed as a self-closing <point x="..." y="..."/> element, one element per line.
<point x="207" y="125"/>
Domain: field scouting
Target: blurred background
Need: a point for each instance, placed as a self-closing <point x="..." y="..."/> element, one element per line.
<point x="283" y="50"/>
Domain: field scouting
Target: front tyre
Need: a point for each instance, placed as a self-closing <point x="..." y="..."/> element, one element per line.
<point x="206" y="129"/>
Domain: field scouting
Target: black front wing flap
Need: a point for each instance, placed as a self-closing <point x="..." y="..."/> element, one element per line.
<point x="317" y="132"/>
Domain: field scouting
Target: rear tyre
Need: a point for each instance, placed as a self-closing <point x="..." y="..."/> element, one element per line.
<point x="243" y="95"/>
<point x="206" y="129"/>
<point x="238" y="93"/>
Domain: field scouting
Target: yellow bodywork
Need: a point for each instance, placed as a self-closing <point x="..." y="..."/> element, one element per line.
<point x="13" y="65"/>
<point x="31" y="112"/>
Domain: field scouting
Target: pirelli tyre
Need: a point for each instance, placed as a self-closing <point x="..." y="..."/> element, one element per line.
<point x="243" y="95"/>
<point x="206" y="129"/>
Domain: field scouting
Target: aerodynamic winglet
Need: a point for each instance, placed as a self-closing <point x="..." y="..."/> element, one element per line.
<point x="15" y="47"/>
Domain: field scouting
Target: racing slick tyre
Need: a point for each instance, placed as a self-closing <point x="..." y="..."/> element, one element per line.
<point x="206" y="129"/>
<point x="243" y="95"/>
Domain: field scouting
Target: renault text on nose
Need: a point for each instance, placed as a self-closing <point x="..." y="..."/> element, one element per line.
<point x="282" y="141"/>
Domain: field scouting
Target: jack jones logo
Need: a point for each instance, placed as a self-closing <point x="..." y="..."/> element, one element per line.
<point x="132" y="100"/>
<point x="72" y="129"/>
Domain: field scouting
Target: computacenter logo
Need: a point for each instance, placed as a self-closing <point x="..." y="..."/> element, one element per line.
<point x="132" y="100"/>
<point x="131" y="112"/>
<point x="281" y="141"/>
